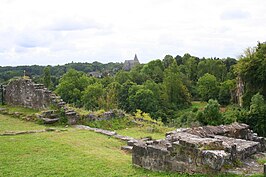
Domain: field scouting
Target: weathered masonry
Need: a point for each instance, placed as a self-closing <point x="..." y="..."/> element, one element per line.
<point x="24" y="92"/>
<point x="202" y="149"/>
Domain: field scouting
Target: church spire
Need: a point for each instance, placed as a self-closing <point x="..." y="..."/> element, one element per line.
<point x="136" y="58"/>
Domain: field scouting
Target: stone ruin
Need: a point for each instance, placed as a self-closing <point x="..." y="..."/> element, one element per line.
<point x="199" y="150"/>
<point x="23" y="92"/>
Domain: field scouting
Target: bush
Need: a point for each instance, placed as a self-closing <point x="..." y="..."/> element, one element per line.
<point x="207" y="87"/>
<point x="257" y="114"/>
<point x="211" y="114"/>
<point x="231" y="115"/>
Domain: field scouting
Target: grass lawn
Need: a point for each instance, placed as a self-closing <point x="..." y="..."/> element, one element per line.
<point x="68" y="153"/>
<point x="139" y="132"/>
<point x="20" y="109"/>
<point x="8" y="123"/>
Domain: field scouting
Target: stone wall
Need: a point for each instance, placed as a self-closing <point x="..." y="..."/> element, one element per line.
<point x="25" y="93"/>
<point x="202" y="149"/>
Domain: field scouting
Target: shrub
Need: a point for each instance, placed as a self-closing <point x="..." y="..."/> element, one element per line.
<point x="211" y="114"/>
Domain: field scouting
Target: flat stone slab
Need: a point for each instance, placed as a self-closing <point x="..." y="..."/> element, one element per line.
<point x="131" y="142"/>
<point x="84" y="127"/>
<point x="127" y="148"/>
<point x="106" y="132"/>
<point x="123" y="138"/>
<point x="50" y="121"/>
<point x="195" y="141"/>
<point x="11" y="133"/>
<point x="244" y="148"/>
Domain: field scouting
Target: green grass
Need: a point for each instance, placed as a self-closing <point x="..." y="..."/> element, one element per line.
<point x="198" y="104"/>
<point x="68" y="153"/>
<point x="19" y="109"/>
<point x="112" y="124"/>
<point x="262" y="160"/>
<point x="81" y="111"/>
<point x="8" y="123"/>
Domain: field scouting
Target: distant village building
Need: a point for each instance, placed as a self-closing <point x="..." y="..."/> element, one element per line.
<point x="129" y="64"/>
<point x="95" y="74"/>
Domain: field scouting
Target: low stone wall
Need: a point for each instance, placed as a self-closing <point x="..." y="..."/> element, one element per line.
<point x="202" y="149"/>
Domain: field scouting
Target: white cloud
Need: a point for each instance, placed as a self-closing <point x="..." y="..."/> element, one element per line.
<point x="234" y="15"/>
<point x="52" y="32"/>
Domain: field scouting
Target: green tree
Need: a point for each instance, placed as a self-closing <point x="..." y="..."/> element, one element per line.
<point x="144" y="100"/>
<point x="122" y="76"/>
<point x="189" y="68"/>
<point x="123" y="96"/>
<point x="47" y="77"/>
<point x="211" y="114"/>
<point x="257" y="114"/>
<point x="92" y="97"/>
<point x="251" y="67"/>
<point x="214" y="67"/>
<point x="225" y="92"/>
<point x="111" y="96"/>
<point x="207" y="87"/>
<point x="71" y="86"/>
<point x="175" y="92"/>
<point x="168" y="60"/>
<point x="137" y="76"/>
<point x="154" y="70"/>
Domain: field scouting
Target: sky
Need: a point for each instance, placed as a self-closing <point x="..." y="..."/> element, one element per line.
<point x="51" y="32"/>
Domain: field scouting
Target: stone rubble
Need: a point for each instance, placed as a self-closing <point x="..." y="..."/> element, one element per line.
<point x="12" y="133"/>
<point x="202" y="149"/>
<point x="130" y="141"/>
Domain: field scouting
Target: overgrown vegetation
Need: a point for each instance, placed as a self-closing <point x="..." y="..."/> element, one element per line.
<point x="165" y="88"/>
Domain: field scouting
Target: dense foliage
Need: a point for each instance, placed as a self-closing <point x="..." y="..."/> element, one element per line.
<point x="161" y="88"/>
<point x="164" y="88"/>
<point x="37" y="73"/>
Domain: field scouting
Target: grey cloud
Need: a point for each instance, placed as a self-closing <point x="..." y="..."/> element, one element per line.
<point x="29" y="39"/>
<point x="234" y="15"/>
<point x="74" y="24"/>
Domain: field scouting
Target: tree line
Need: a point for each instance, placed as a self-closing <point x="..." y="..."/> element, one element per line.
<point x="160" y="87"/>
<point x="164" y="88"/>
<point x="36" y="72"/>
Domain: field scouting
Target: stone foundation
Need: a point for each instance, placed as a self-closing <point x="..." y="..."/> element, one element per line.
<point x="202" y="149"/>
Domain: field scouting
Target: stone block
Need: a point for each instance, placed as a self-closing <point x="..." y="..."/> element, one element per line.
<point x="214" y="158"/>
<point x="50" y="121"/>
<point x="127" y="148"/>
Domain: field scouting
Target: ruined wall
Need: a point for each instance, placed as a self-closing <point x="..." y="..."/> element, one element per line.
<point x="24" y="92"/>
<point x="202" y="149"/>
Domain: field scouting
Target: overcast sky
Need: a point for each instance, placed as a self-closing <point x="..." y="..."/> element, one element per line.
<point x="61" y="31"/>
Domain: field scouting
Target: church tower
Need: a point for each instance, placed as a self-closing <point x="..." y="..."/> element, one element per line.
<point x="129" y="64"/>
<point x="136" y="60"/>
